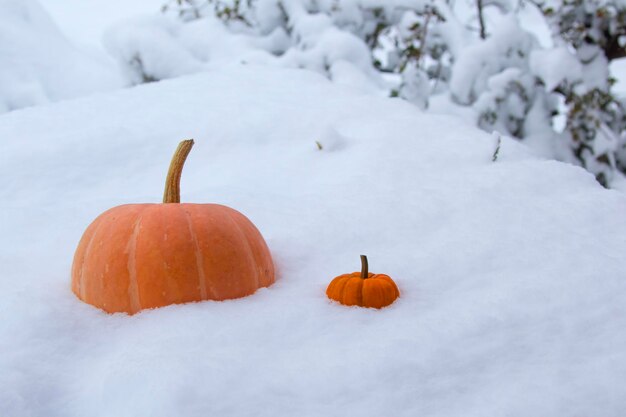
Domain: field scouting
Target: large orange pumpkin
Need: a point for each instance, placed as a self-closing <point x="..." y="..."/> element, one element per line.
<point x="363" y="288"/>
<point x="139" y="256"/>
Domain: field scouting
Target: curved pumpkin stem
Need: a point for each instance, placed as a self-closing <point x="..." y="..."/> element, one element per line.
<point x="172" y="182"/>
<point x="364" y="271"/>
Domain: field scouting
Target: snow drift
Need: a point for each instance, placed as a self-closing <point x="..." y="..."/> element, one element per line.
<point x="510" y="272"/>
<point x="39" y="65"/>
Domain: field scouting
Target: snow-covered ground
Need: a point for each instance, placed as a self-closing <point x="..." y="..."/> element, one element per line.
<point x="511" y="272"/>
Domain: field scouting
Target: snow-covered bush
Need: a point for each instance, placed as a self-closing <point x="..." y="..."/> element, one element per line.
<point x="195" y="9"/>
<point x="506" y="102"/>
<point x="483" y="57"/>
<point x="493" y="76"/>
<point x="400" y="47"/>
<point x="39" y="65"/>
<point x="419" y="46"/>
<point x="589" y="34"/>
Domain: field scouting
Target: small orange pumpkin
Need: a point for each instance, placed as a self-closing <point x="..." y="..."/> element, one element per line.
<point x="363" y="288"/>
<point x="138" y="256"/>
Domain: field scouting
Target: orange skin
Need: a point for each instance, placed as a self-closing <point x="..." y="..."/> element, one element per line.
<point x="139" y="256"/>
<point x="377" y="290"/>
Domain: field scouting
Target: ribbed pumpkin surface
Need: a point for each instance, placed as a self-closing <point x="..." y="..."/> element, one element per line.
<point x="141" y="256"/>
<point x="377" y="290"/>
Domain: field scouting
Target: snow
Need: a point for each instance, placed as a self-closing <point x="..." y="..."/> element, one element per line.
<point x="532" y="20"/>
<point x="39" y="65"/>
<point x="161" y="47"/>
<point x="85" y="21"/>
<point x="555" y="66"/>
<point x="618" y="71"/>
<point x="596" y="72"/>
<point x="506" y="48"/>
<point x="510" y="272"/>
<point x="148" y="48"/>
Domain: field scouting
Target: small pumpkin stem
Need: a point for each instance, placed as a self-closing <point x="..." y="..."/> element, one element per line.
<point x="172" y="182"/>
<point x="364" y="271"/>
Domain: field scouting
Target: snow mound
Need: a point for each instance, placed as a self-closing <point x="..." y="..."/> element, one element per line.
<point x="39" y="65"/>
<point x="506" y="48"/>
<point x="154" y="48"/>
<point x="554" y="66"/>
<point x="511" y="272"/>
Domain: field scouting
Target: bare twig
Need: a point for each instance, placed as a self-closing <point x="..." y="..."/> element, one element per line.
<point x="498" y="138"/>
